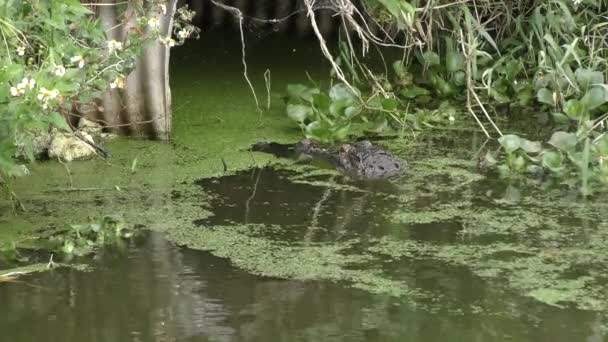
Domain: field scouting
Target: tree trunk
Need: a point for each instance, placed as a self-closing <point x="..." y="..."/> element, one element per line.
<point x="143" y="108"/>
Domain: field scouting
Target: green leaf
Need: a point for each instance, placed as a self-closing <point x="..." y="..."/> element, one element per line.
<point x="430" y="58"/>
<point x="595" y="97"/>
<point x="530" y="146"/>
<point x="301" y="92"/>
<point x="298" y="113"/>
<point x="454" y="61"/>
<point x="55" y="119"/>
<point x="459" y="78"/>
<point x="321" y="102"/>
<point x="341" y="91"/>
<point x="601" y="146"/>
<point x="573" y="108"/>
<point x="414" y="91"/>
<point x="352" y="111"/>
<point x="587" y="77"/>
<point x="510" y="142"/>
<point x="560" y="118"/>
<point x="545" y="95"/>
<point x="563" y="141"/>
<point x="390" y="104"/>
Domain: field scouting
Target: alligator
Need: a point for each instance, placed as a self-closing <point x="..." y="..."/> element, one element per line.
<point x="360" y="159"/>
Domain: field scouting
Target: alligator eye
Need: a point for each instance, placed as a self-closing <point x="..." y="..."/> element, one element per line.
<point x="397" y="165"/>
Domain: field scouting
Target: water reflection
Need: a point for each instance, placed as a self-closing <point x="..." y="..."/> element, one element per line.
<point x="159" y="292"/>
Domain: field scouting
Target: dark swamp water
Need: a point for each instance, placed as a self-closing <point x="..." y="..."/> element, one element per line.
<point x="297" y="253"/>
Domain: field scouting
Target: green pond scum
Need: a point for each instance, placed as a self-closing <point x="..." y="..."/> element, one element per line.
<point x="519" y="242"/>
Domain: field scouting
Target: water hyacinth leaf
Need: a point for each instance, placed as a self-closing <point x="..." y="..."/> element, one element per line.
<point x="414" y="91"/>
<point x="430" y="58"/>
<point x="337" y="108"/>
<point x="490" y="159"/>
<point x="560" y="118"/>
<point x="530" y="146"/>
<point x="399" y="69"/>
<point x="341" y="91"/>
<point x="601" y="146"/>
<point x="316" y="130"/>
<point x="563" y="141"/>
<point x="341" y="133"/>
<point x="454" y="61"/>
<point x="545" y="95"/>
<point x="301" y="92"/>
<point x="352" y="111"/>
<point x="321" y="102"/>
<point x="510" y="142"/>
<point x="587" y="77"/>
<point x="390" y="104"/>
<point x="459" y="78"/>
<point x="595" y="97"/>
<point x="375" y="103"/>
<point x="519" y="164"/>
<point x="573" y="108"/>
<point x="378" y="126"/>
<point x="525" y="96"/>
<point x="298" y="113"/>
<point x="552" y="160"/>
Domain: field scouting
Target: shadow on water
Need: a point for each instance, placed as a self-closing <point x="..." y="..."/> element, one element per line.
<point x="325" y="207"/>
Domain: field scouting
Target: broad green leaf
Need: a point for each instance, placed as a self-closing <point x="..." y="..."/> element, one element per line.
<point x="337" y="108"/>
<point x="530" y="146"/>
<point x="352" y="111"/>
<point x="595" y="97"/>
<point x="510" y="142"/>
<point x="341" y="91"/>
<point x="560" y="118"/>
<point x="390" y="104"/>
<point x="459" y="78"/>
<point x="552" y="160"/>
<point x="430" y="58"/>
<point x="573" y="108"/>
<point x="298" y="113"/>
<point x="341" y="133"/>
<point x="563" y="141"/>
<point x="454" y="61"/>
<point x="601" y="146"/>
<point x="587" y="77"/>
<point x="545" y="95"/>
<point x="55" y="119"/>
<point x="321" y="102"/>
<point x="414" y="91"/>
<point x="301" y="92"/>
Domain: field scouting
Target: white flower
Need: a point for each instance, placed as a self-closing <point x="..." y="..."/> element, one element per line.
<point x="17" y="91"/>
<point x="78" y="59"/>
<point x="452" y="118"/>
<point x="163" y="9"/>
<point x="59" y="70"/>
<point x="183" y="34"/>
<point x="45" y="95"/>
<point x="27" y="83"/>
<point x="577" y="2"/>
<point x="21" y="50"/>
<point x="154" y="23"/>
<point x="119" y="82"/>
<point x="167" y="41"/>
<point x="114" y="45"/>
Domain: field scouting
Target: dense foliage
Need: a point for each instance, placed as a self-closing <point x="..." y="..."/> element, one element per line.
<point x="547" y="59"/>
<point x="56" y="55"/>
